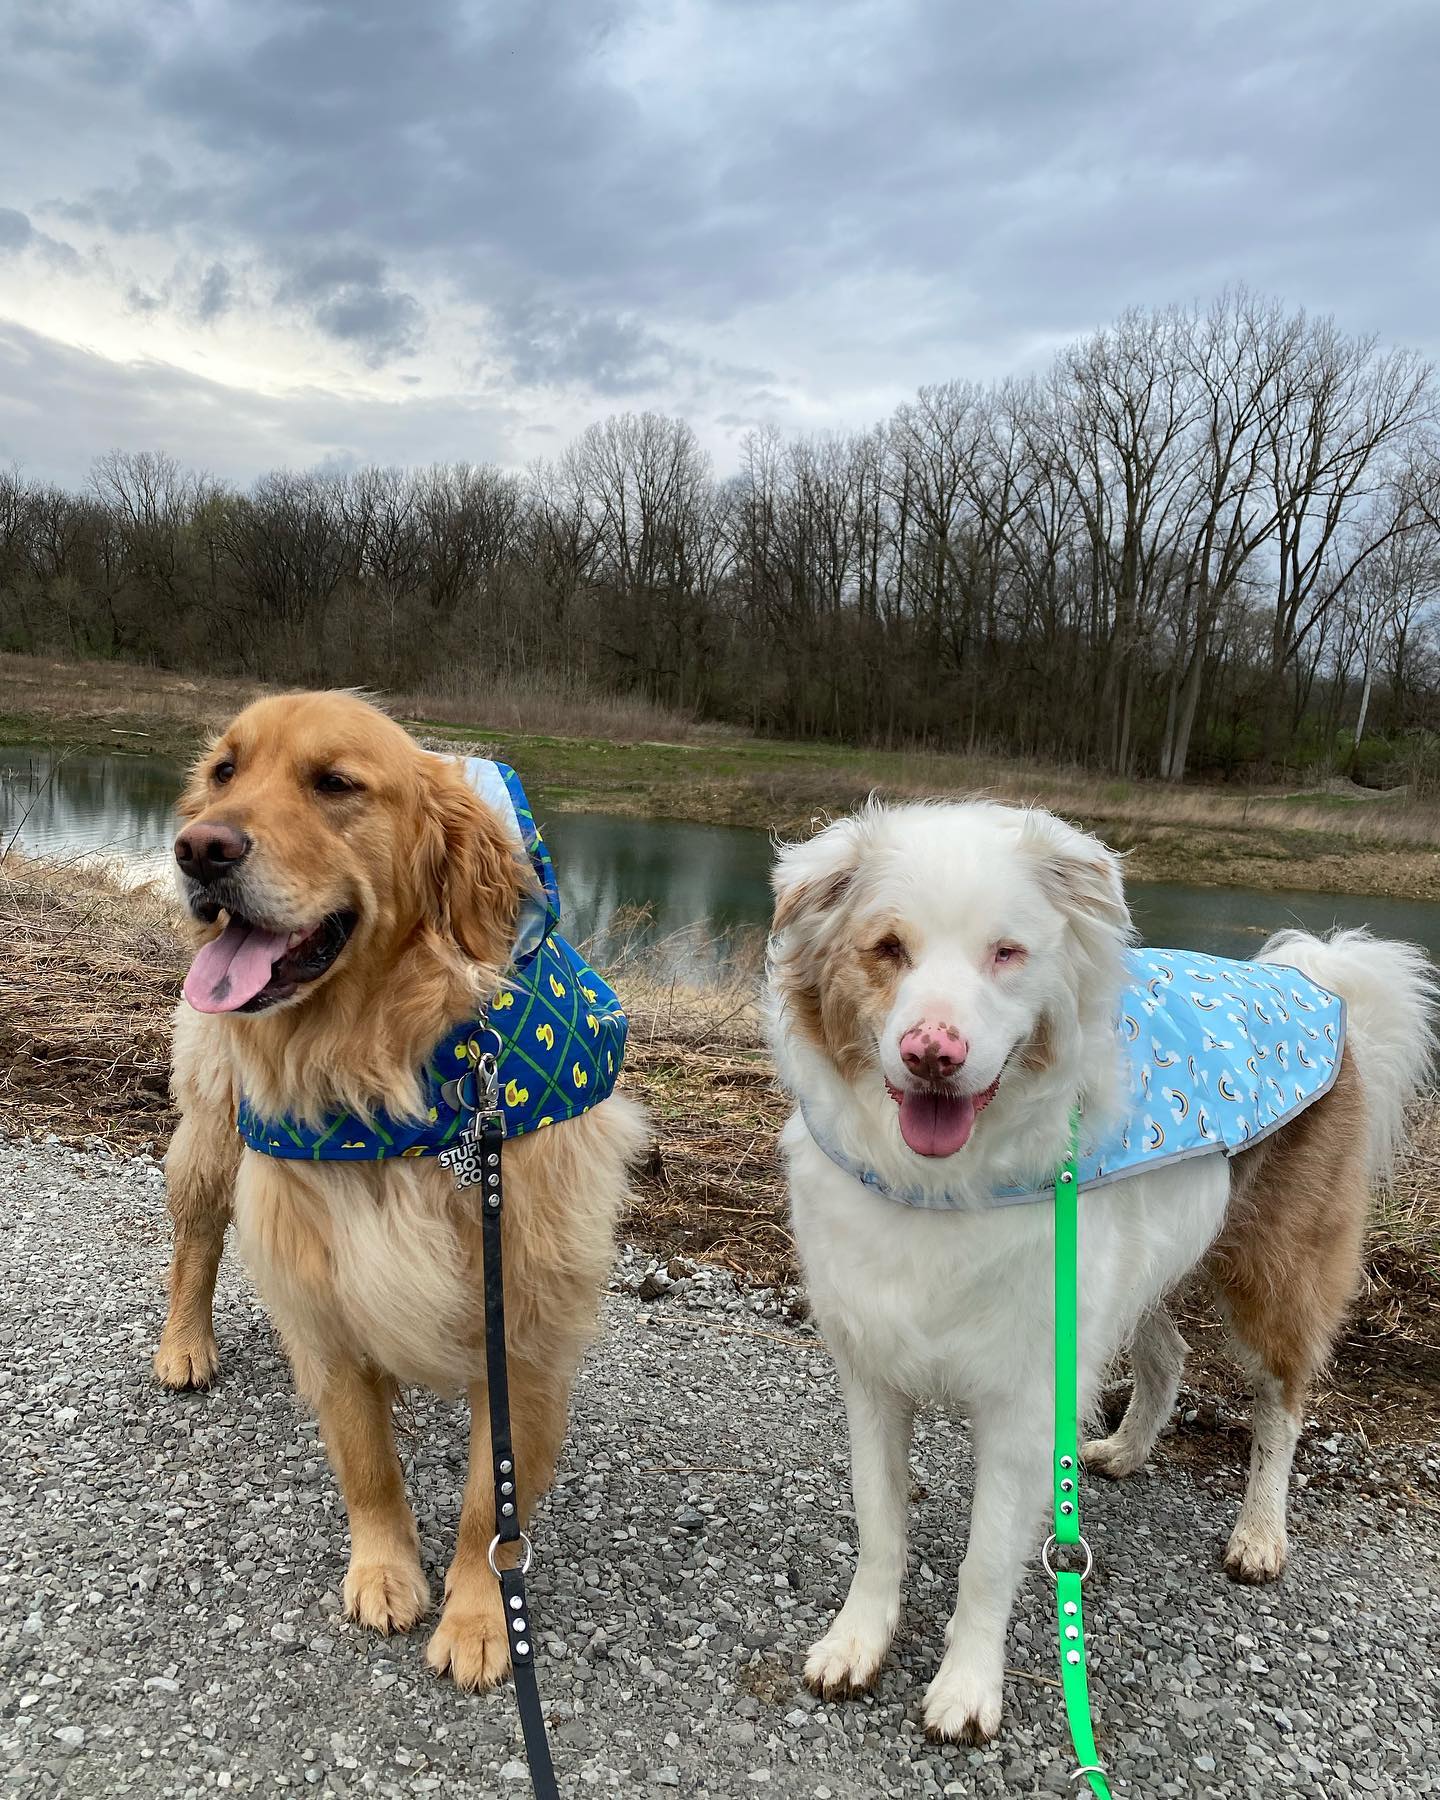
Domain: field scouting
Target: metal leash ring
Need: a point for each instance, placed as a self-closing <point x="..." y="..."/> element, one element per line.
<point x="523" y="1565"/>
<point x="1051" y="1543"/>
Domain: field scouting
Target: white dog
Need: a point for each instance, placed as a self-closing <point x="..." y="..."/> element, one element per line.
<point x="945" y="986"/>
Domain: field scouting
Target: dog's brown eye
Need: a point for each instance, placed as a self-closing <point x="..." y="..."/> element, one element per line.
<point x="890" y="950"/>
<point x="333" y="782"/>
<point x="222" y="772"/>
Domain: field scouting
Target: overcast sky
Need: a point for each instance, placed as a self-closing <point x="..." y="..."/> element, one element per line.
<point x="262" y="232"/>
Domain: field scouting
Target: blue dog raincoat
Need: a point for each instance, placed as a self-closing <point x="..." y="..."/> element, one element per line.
<point x="1218" y="1054"/>
<point x="557" y="1028"/>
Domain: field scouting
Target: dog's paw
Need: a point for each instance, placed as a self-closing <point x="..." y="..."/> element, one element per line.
<point x="962" y="1707"/>
<point x="186" y="1360"/>
<point x="1255" y="1557"/>
<point x="386" y="1595"/>
<point x="1112" y="1457"/>
<point x="469" y="1644"/>
<point x="848" y="1659"/>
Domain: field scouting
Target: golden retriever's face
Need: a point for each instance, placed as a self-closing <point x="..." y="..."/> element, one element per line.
<point x="326" y="839"/>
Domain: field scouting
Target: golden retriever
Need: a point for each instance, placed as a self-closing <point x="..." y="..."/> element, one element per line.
<point x="363" y="901"/>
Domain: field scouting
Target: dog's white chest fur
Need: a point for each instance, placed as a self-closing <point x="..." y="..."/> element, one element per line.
<point x="959" y="1307"/>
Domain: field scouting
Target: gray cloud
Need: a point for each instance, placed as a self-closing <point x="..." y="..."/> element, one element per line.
<point x="346" y="294"/>
<point x="152" y="201"/>
<point x="215" y="294"/>
<point x="18" y="234"/>
<point x="611" y="355"/>
<point x="16" y="230"/>
<point x="827" y="200"/>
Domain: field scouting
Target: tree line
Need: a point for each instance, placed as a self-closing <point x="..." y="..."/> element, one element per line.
<point x="1203" y="538"/>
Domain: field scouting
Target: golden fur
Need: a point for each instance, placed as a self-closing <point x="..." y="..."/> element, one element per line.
<point x="373" y="1270"/>
<point x="1288" y="1261"/>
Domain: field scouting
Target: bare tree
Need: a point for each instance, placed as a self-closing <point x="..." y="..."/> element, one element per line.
<point x="1204" y="537"/>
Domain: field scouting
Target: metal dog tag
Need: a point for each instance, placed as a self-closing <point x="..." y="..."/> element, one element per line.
<point x="463" y="1159"/>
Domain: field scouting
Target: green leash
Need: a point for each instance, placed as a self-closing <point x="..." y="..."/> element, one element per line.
<point x="1068" y="1582"/>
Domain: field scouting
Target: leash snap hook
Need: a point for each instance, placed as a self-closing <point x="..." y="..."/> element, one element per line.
<point x="484" y="1052"/>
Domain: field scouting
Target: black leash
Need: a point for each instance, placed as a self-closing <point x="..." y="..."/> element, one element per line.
<point x="476" y="1160"/>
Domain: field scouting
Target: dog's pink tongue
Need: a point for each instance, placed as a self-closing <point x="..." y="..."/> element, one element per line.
<point x="233" y="968"/>
<point x="936" y="1124"/>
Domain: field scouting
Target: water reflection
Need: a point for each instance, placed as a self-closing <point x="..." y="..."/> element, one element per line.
<point x="120" y="807"/>
<point x="699" y="881"/>
<point x="1237" y="921"/>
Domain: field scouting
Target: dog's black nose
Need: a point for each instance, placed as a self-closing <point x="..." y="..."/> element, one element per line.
<point x="207" y="852"/>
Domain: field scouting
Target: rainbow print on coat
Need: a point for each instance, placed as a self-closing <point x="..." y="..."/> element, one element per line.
<point x="1219" y="1053"/>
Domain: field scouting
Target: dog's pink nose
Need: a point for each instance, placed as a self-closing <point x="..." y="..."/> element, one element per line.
<point x="933" y="1051"/>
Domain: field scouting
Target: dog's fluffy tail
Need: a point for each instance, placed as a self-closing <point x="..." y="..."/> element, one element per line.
<point x="1390" y="992"/>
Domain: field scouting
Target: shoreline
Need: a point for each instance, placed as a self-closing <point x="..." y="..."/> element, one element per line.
<point x="1314" y="842"/>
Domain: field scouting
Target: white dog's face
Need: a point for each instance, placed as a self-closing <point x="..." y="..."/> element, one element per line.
<point x="935" y="948"/>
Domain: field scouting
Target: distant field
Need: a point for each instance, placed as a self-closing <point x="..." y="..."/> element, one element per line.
<point x="586" y="754"/>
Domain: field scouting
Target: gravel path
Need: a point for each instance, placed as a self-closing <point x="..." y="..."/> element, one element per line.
<point x="170" y="1567"/>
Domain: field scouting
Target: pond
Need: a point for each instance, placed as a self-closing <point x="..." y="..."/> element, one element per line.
<point x="692" y="882"/>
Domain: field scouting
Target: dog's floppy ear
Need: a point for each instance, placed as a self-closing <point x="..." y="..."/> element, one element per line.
<point x="811" y="879"/>
<point x="811" y="882"/>
<point x="1081" y="877"/>
<point x="469" y="873"/>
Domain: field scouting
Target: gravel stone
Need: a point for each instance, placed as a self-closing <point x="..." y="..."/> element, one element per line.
<point x="170" y="1569"/>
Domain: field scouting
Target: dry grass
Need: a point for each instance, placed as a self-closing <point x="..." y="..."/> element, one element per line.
<point x="98" y="702"/>
<point x="712" y="1186"/>
<point x="521" y="704"/>
<point x="1350" y="814"/>
<point x="130" y="707"/>
<point x="117" y="706"/>
<point x="89" y="974"/>
<point x="1355" y="814"/>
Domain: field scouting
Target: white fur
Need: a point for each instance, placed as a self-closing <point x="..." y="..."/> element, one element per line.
<point x="955" y="1307"/>
<point x="1390" y="992"/>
